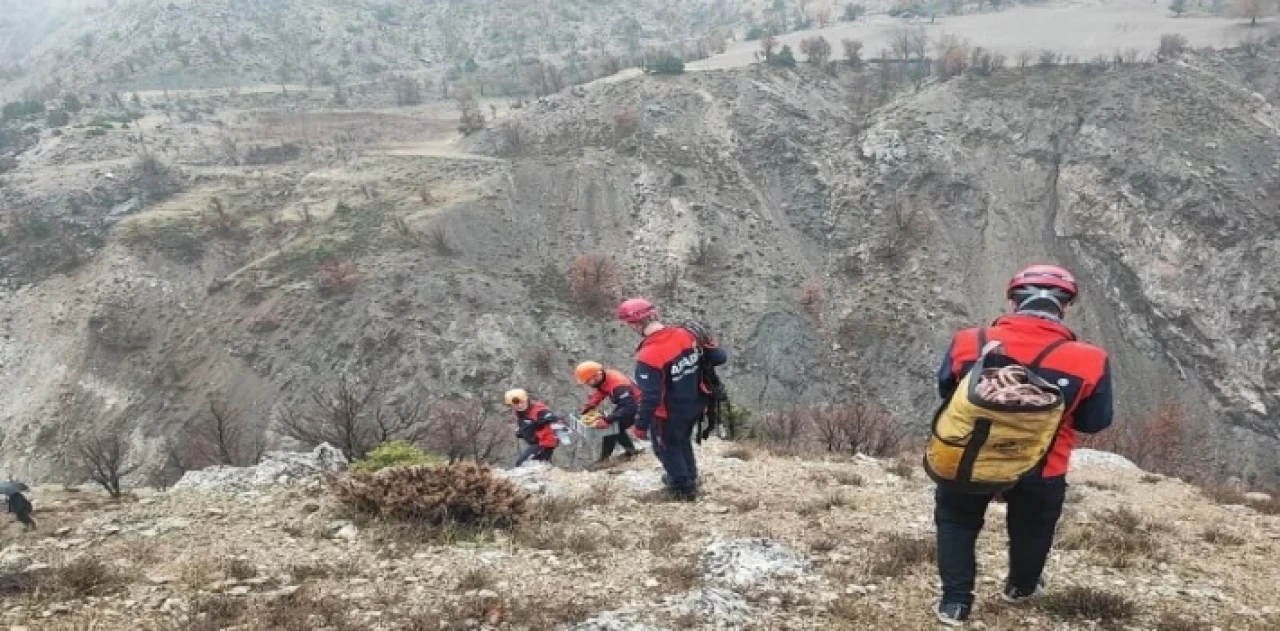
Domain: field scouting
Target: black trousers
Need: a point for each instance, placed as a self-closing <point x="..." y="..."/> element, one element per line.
<point x="608" y="443"/>
<point x="1035" y="505"/>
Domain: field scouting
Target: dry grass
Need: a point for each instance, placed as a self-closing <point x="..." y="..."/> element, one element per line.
<point x="476" y="578"/>
<point x="1223" y="494"/>
<point x="1100" y="486"/>
<point x="1217" y="536"/>
<point x="665" y="538"/>
<point x="849" y="478"/>
<point x="1086" y="603"/>
<point x="903" y="468"/>
<point x="745" y="504"/>
<point x="86" y="576"/>
<point x="300" y="612"/>
<point x="1121" y="537"/>
<point x="311" y="571"/>
<point x="823" y="545"/>
<point x="1170" y="621"/>
<point x="680" y="576"/>
<point x="16" y="584"/>
<point x="601" y="493"/>
<point x="555" y="509"/>
<point x="899" y="554"/>
<point x="1269" y="507"/>
<point x="740" y="452"/>
<point x="830" y="501"/>
<point x="1151" y="479"/>
<point x="240" y="569"/>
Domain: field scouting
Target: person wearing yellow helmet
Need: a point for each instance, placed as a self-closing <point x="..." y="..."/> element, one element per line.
<point x="606" y="383"/>
<point x="533" y="425"/>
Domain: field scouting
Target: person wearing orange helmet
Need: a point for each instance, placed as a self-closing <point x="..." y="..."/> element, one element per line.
<point x="533" y="425"/>
<point x="674" y="394"/>
<point x="1032" y="334"/>
<point x="606" y="383"/>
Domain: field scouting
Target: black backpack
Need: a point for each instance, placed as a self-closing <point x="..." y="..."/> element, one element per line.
<point x="720" y="409"/>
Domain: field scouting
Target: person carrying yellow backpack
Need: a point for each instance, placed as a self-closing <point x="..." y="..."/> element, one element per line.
<point x="1014" y="394"/>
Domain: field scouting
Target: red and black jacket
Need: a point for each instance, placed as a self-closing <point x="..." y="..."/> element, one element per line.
<point x="1082" y="370"/>
<point x="669" y="374"/>
<point x="622" y="392"/>
<point x="534" y="425"/>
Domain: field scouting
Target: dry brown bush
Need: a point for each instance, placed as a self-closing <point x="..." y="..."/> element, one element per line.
<point x="464" y="494"/>
<point x="1087" y="603"/>
<point x="811" y="297"/>
<point x="593" y="282"/>
<point x="953" y="57"/>
<point x="858" y="428"/>
<point x="899" y="554"/>
<point x="337" y="276"/>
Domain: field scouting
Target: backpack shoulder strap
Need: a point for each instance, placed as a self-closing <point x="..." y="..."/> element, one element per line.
<point x="1044" y="354"/>
<point x="982" y="339"/>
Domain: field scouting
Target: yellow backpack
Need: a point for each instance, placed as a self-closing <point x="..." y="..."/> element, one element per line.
<point x="998" y="425"/>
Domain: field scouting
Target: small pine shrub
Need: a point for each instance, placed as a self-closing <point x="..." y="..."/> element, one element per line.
<point x="393" y="455"/>
<point x="459" y="494"/>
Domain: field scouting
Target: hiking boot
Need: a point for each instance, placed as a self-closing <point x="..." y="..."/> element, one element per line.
<point x="953" y="614"/>
<point x="1014" y="595"/>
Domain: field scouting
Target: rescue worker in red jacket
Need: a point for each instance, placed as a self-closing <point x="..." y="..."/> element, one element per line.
<point x="1039" y="298"/>
<point x="673" y="395"/>
<point x="622" y="393"/>
<point x="533" y="426"/>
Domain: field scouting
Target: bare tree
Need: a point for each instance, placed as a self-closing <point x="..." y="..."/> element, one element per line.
<point x="104" y="455"/>
<point x="353" y="417"/>
<point x="465" y="432"/>
<point x="909" y="44"/>
<point x="852" y="52"/>
<point x="817" y="49"/>
<point x="220" y="438"/>
<point x="1252" y="9"/>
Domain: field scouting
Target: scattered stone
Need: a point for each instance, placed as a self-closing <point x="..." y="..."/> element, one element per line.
<point x="276" y="468"/>
<point x="1255" y="497"/>
<point x="239" y="590"/>
<point x="1101" y="459"/>
<point x="62" y="532"/>
<point x="751" y="562"/>
<point x="348" y="532"/>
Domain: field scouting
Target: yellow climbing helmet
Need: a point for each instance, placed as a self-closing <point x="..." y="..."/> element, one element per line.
<point x="515" y="397"/>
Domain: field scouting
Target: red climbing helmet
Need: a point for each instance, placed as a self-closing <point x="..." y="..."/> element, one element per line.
<point x="635" y="310"/>
<point x="1045" y="277"/>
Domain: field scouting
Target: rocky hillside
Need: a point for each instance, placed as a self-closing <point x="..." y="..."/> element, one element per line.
<point x="183" y="44"/>
<point x="833" y="225"/>
<point x="777" y="543"/>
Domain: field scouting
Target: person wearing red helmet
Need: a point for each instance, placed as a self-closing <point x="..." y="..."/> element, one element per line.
<point x="673" y="394"/>
<point x="1039" y="298"/>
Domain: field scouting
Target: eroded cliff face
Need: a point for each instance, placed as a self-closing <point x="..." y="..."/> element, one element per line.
<point x="833" y="238"/>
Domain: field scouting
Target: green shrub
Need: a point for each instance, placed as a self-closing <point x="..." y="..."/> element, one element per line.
<point x="669" y="64"/>
<point x="784" y="58"/>
<point x="393" y="455"/>
<point x="58" y="118"/>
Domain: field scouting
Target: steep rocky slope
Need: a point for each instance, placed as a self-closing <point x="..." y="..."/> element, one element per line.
<point x="777" y="543"/>
<point x="834" y="227"/>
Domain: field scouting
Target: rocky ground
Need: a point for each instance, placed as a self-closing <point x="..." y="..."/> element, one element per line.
<point x="778" y="542"/>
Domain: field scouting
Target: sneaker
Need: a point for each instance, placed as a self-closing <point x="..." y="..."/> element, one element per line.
<point x="1014" y="595"/>
<point x="953" y="614"/>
